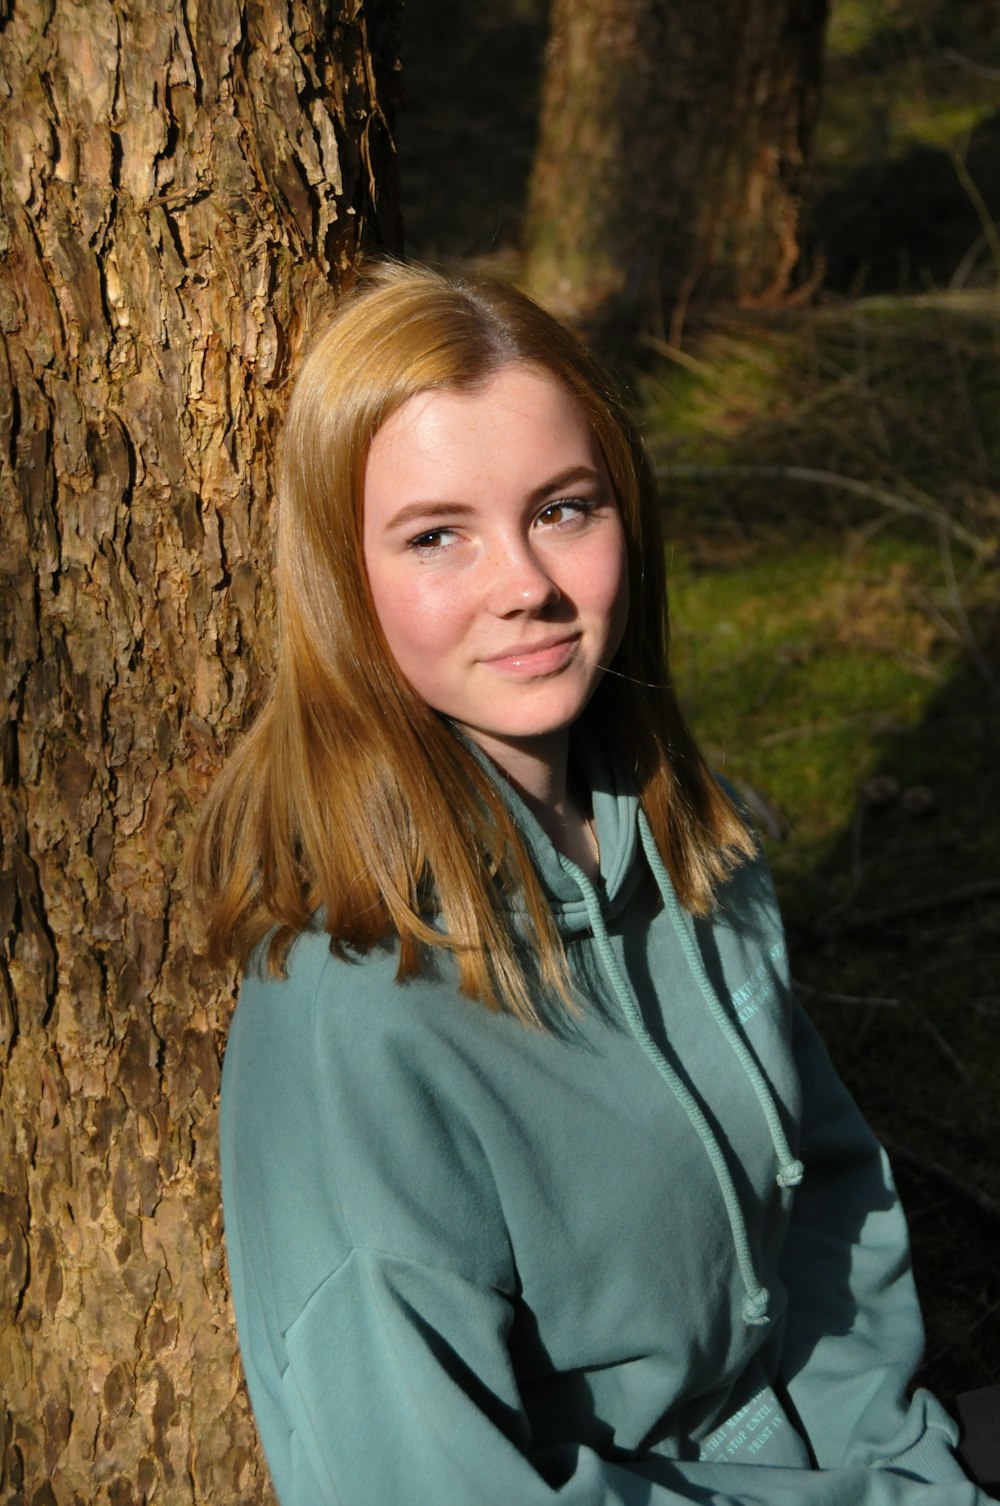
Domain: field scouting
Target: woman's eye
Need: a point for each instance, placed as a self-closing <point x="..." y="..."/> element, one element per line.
<point x="565" y="510"/>
<point x="429" y="542"/>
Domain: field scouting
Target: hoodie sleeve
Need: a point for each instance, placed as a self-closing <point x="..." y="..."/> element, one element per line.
<point x="400" y="1380"/>
<point x="854" y="1333"/>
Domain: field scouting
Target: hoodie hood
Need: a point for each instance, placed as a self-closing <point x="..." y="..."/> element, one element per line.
<point x="615" y="809"/>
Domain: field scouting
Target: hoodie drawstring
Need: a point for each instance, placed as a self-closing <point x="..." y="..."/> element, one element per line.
<point x="789" y="1167"/>
<point x="790" y="1170"/>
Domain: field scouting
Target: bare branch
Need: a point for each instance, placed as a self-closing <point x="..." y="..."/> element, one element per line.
<point x="892" y="501"/>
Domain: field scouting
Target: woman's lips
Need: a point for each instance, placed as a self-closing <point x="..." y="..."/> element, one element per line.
<point x="543" y="657"/>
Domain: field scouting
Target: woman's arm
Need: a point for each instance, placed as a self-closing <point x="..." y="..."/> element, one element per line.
<point x="399" y="1388"/>
<point x="854" y="1334"/>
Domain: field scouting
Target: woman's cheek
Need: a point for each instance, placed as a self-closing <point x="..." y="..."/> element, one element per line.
<point x="422" y="616"/>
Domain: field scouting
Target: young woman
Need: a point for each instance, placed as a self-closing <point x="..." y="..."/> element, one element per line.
<point x="538" y="1185"/>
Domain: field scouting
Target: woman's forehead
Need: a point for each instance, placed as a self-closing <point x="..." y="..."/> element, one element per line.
<point x="518" y="419"/>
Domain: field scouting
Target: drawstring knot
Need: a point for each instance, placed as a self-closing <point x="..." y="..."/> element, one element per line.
<point x="790" y="1175"/>
<point x="755" y="1308"/>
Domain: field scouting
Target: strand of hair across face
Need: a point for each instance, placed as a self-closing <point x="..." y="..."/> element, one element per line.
<point x="619" y="674"/>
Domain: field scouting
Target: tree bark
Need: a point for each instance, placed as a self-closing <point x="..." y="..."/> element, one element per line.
<point x="183" y="188"/>
<point x="673" y="155"/>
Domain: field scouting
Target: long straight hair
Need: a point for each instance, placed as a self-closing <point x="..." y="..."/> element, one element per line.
<point x="351" y="803"/>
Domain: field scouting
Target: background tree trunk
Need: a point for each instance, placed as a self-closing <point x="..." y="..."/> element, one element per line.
<point x="183" y="188"/>
<point x="673" y="154"/>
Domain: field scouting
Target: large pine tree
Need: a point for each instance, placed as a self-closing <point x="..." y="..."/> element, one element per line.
<point x="183" y="189"/>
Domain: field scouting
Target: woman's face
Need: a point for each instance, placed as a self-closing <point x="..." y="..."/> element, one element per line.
<point x="496" y="556"/>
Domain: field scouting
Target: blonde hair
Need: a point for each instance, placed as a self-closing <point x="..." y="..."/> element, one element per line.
<point x="351" y="803"/>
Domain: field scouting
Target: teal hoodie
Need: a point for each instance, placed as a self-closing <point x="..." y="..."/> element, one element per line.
<point x="478" y="1264"/>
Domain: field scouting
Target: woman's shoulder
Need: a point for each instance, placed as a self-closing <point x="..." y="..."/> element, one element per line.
<point x="343" y="1033"/>
<point x="312" y="966"/>
<point x="340" y="998"/>
<point x="328" y="1020"/>
<point x="342" y="1084"/>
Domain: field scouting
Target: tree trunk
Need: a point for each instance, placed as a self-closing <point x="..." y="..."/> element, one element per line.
<point x="183" y="189"/>
<point x="673" y="154"/>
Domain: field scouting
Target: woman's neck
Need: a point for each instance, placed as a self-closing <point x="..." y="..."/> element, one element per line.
<point x="539" y="770"/>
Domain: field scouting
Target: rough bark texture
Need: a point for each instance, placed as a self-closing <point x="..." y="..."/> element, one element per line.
<point x="183" y="187"/>
<point x="673" y="154"/>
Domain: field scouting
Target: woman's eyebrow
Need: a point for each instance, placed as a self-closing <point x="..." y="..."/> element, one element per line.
<point x="569" y="477"/>
<point x="428" y="511"/>
<point x="434" y="510"/>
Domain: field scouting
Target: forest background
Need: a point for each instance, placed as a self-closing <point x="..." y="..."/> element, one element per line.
<point x="829" y="458"/>
<point x="830" y="470"/>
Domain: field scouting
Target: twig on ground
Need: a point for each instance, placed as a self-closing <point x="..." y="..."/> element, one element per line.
<point x="983" y="889"/>
<point x="970" y="64"/>
<point x="958" y="607"/>
<point x="676" y="354"/>
<point x="981" y="959"/>
<point x="961" y="274"/>
<point x="905" y="1155"/>
<point x="960" y="1337"/>
<point x="857" y="869"/>
<point x="890" y="500"/>
<point x="943" y="1045"/>
<point x="822" y="993"/>
<point x="812" y="729"/>
<point x="978" y="203"/>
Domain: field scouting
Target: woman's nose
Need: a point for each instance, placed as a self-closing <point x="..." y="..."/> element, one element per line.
<point x="518" y="580"/>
